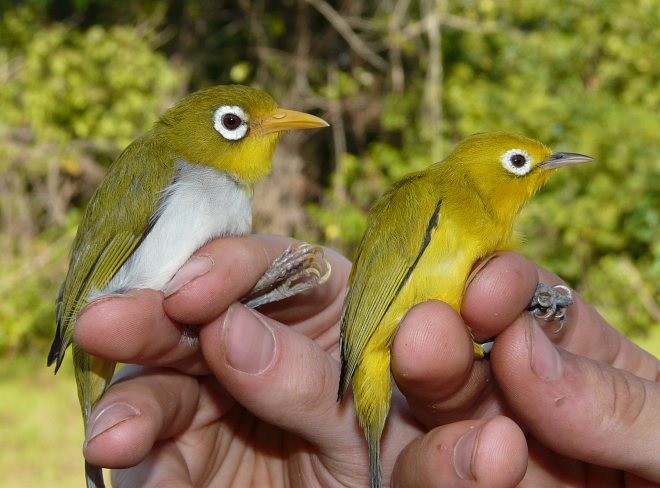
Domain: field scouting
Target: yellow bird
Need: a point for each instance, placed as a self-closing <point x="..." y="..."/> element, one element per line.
<point x="422" y="239"/>
<point x="183" y="183"/>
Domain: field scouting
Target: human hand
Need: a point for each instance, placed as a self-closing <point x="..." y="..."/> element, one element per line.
<point x="255" y="403"/>
<point x="586" y="397"/>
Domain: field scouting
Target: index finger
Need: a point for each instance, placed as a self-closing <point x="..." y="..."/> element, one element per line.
<point x="133" y="328"/>
<point x="500" y="292"/>
<point x="237" y="263"/>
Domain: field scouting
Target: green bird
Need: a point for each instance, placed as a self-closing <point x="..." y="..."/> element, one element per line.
<point x="188" y="180"/>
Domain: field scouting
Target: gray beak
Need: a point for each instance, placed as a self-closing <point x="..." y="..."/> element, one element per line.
<point x="559" y="159"/>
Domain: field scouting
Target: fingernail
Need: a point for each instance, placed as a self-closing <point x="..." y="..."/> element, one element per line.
<point x="545" y="360"/>
<point x="479" y="267"/>
<point x="109" y="417"/>
<point x="464" y="451"/>
<point x="249" y="342"/>
<point x="195" y="267"/>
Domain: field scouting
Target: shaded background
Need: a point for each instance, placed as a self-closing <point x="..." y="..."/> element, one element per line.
<point x="399" y="80"/>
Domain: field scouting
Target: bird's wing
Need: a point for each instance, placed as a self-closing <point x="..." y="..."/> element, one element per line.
<point x="376" y="280"/>
<point x="101" y="247"/>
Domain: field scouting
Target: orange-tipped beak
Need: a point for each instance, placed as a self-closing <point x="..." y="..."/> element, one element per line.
<point x="282" y="119"/>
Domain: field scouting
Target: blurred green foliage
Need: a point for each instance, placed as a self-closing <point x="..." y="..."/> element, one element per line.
<point x="70" y="100"/>
<point x="400" y="81"/>
<point x="67" y="84"/>
<point x="40" y="426"/>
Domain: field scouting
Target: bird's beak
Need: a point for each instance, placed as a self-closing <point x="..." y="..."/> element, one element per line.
<point x="282" y="119"/>
<point x="559" y="159"/>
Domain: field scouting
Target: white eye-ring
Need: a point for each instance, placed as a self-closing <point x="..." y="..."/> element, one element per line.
<point x="231" y="122"/>
<point x="517" y="161"/>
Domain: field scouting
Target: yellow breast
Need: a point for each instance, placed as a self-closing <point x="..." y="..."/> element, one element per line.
<point x="443" y="269"/>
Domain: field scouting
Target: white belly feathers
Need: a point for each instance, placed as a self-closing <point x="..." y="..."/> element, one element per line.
<point x="202" y="204"/>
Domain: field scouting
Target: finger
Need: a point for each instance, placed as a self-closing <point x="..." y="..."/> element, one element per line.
<point x="279" y="375"/>
<point x="135" y="412"/>
<point x="164" y="466"/>
<point x="434" y="367"/>
<point x="489" y="453"/>
<point x="588" y="334"/>
<point x="578" y="407"/>
<point x="133" y="328"/>
<point x="500" y="291"/>
<point x="224" y="270"/>
<point x="548" y="468"/>
<point x="218" y="274"/>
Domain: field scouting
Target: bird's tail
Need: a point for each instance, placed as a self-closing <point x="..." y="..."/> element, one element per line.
<point x="372" y="393"/>
<point x="92" y="377"/>
<point x="373" y="441"/>
<point x="94" y="476"/>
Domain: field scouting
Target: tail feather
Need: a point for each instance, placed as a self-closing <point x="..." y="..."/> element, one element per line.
<point x="372" y="394"/>
<point x="373" y="441"/>
<point x="92" y="376"/>
<point x="94" y="476"/>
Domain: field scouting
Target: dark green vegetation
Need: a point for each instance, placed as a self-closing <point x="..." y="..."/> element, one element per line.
<point x="400" y="82"/>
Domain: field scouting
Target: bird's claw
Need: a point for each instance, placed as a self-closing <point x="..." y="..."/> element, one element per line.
<point x="550" y="303"/>
<point x="299" y="268"/>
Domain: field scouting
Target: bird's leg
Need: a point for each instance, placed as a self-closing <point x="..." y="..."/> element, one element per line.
<point x="550" y="303"/>
<point x="299" y="268"/>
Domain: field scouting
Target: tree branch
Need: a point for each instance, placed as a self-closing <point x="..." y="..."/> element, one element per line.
<point x="344" y="29"/>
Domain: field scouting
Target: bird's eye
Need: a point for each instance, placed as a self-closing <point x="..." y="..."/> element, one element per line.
<point x="231" y="122"/>
<point x="517" y="161"/>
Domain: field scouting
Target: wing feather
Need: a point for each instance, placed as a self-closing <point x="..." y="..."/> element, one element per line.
<point x="102" y="246"/>
<point x="383" y="262"/>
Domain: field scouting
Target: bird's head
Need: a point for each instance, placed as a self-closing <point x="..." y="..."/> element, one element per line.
<point x="507" y="169"/>
<point x="232" y="128"/>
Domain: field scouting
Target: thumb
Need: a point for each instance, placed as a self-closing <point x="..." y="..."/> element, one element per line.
<point x="578" y="407"/>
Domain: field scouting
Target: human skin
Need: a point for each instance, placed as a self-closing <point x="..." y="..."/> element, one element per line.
<point x="256" y="403"/>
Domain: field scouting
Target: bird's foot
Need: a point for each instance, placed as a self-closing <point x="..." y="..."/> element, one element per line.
<point x="550" y="303"/>
<point x="299" y="268"/>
